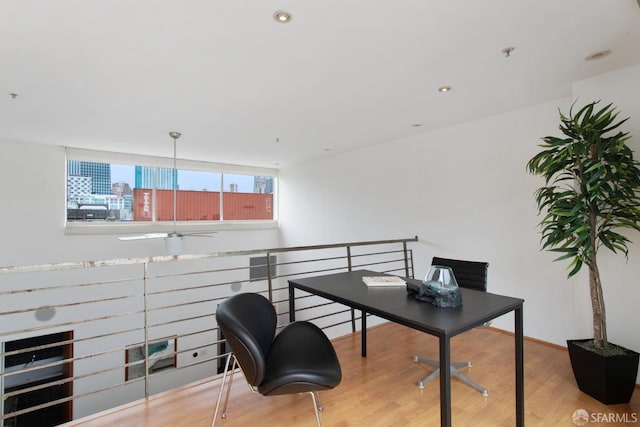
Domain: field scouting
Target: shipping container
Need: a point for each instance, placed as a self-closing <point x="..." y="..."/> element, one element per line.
<point x="247" y="206"/>
<point x="201" y="205"/>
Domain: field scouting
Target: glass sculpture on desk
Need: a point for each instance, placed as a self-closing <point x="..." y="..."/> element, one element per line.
<point x="440" y="287"/>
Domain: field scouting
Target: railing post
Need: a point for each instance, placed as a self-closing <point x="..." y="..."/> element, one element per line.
<point x="406" y="259"/>
<point x="146" y="329"/>
<point x="412" y="268"/>
<point x="269" y="282"/>
<point x="353" y="312"/>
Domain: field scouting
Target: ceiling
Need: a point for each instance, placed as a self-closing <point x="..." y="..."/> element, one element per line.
<point x="118" y="75"/>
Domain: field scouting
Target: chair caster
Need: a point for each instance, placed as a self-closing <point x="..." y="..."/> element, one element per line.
<point x="420" y="385"/>
<point x="415" y="358"/>
<point x="485" y="393"/>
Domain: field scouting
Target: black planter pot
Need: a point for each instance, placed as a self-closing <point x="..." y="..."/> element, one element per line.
<point x="611" y="379"/>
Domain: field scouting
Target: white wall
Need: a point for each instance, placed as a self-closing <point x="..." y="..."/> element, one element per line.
<point x="465" y="192"/>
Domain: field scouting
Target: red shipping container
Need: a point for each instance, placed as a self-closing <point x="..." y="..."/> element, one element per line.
<point x="247" y="206"/>
<point x="201" y="205"/>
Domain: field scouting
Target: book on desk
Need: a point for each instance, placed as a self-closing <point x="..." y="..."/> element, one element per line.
<point x="383" y="281"/>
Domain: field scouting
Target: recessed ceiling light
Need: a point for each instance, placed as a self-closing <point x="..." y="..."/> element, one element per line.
<point x="282" y="17"/>
<point x="598" y="55"/>
<point x="416" y="125"/>
<point x="444" y="89"/>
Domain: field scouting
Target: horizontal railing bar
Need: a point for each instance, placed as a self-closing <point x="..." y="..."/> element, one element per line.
<point x="65" y="342"/>
<point x="61" y="381"/>
<point x="67" y="324"/>
<point x="305" y="261"/>
<point x="339" y="323"/>
<point x="182" y="304"/>
<point x="72" y="304"/>
<point x="185" y="319"/>
<point x="38" y="347"/>
<point x="300" y="309"/>
<point x="194" y="273"/>
<point x="74" y="285"/>
<point x="393" y="270"/>
<point x="310" y="272"/>
<point x="397" y="251"/>
<point x="192" y="288"/>
<point x="386" y="261"/>
<point x="323" y="316"/>
<point x="199" y="332"/>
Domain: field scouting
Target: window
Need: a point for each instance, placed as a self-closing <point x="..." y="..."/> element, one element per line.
<point x="141" y="190"/>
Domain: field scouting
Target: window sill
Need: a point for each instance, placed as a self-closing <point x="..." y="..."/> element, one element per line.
<point x="102" y="228"/>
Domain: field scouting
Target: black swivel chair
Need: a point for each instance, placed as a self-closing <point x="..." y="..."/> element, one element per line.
<point x="468" y="274"/>
<point x="300" y="359"/>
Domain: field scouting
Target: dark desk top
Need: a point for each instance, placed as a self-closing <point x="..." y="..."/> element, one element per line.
<point x="393" y="303"/>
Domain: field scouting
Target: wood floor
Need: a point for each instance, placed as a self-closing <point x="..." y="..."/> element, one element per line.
<point x="381" y="390"/>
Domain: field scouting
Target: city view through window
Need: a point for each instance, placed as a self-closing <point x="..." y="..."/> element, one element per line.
<point x="114" y="192"/>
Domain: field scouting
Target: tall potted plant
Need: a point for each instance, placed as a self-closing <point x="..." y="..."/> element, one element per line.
<point x="591" y="194"/>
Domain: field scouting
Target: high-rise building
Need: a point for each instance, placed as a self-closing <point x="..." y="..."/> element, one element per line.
<point x="164" y="177"/>
<point x="100" y="174"/>
<point x="121" y="189"/>
<point x="263" y="184"/>
<point x="78" y="186"/>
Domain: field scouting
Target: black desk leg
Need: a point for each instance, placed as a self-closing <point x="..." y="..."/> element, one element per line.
<point x="519" y="336"/>
<point x="445" y="382"/>
<point x="292" y="304"/>
<point x="364" y="333"/>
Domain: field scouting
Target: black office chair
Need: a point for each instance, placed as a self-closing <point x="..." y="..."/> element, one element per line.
<point x="468" y="274"/>
<point x="300" y="359"/>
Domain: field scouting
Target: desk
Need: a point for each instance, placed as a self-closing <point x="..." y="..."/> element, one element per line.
<point x="396" y="305"/>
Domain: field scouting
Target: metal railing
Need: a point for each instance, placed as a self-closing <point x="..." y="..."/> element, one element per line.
<point x="77" y="338"/>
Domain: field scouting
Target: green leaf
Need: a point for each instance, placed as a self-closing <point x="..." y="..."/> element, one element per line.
<point x="592" y="186"/>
